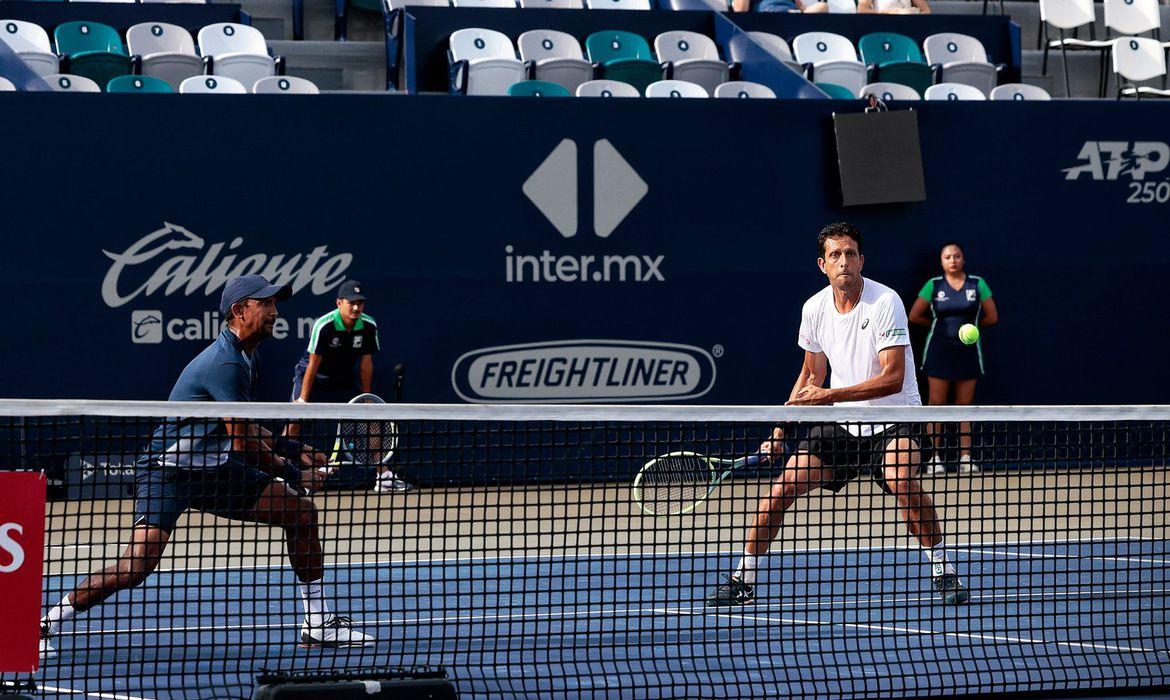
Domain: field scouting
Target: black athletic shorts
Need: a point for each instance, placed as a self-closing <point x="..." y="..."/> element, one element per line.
<point x="850" y="456"/>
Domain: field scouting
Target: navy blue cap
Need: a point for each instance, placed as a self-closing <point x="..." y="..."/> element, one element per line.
<point x="351" y="290"/>
<point x="238" y="289"/>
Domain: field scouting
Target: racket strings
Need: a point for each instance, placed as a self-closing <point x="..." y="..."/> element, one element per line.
<point x="675" y="484"/>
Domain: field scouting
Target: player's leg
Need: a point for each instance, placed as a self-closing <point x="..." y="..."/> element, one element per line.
<point x="939" y="390"/>
<point x="279" y="505"/>
<point x="806" y="470"/>
<point x="900" y="459"/>
<point x="965" y="396"/>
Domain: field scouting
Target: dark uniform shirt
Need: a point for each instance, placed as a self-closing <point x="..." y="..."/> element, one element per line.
<point x="222" y="372"/>
<point x="339" y="347"/>
<point x="951" y="309"/>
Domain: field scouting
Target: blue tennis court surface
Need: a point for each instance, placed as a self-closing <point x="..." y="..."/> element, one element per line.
<point x="1087" y="613"/>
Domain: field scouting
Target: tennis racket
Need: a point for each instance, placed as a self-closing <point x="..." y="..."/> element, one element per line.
<point x="364" y="443"/>
<point x="677" y="482"/>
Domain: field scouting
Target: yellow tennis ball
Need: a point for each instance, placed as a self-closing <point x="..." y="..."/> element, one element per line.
<point x="968" y="333"/>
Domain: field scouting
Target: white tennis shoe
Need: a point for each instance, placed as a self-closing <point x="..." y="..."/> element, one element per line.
<point x="338" y="631"/>
<point x="389" y="482"/>
<point x="966" y="466"/>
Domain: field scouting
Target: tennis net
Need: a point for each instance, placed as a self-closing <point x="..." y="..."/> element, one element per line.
<point x="507" y="547"/>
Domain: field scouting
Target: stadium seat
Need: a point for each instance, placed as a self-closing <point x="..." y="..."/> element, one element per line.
<point x="617" y="4"/>
<point x="744" y="89"/>
<point x="538" y="88"/>
<point x="842" y="7"/>
<point x="962" y="59"/>
<point x="556" y="56"/>
<point x="607" y="88"/>
<point x="284" y="85"/>
<point x="1019" y="91"/>
<point x="625" y="57"/>
<point x="836" y="92"/>
<point x="553" y="4"/>
<point x="1133" y="17"/>
<point x="92" y="50"/>
<point x="31" y="43"/>
<point x="483" y="62"/>
<point x="889" y="91"/>
<point x="832" y="59"/>
<point x="484" y="3"/>
<point x="1136" y="59"/>
<point x="1067" y="15"/>
<point x="775" y="46"/>
<point x="6" y="85"/>
<point x="212" y="85"/>
<point x="895" y="58"/>
<point x="399" y="4"/>
<point x="675" y="88"/>
<point x="953" y="91"/>
<point x="138" y="84"/>
<point x="693" y="58"/>
<point x="237" y="51"/>
<point x="164" y="51"/>
<point x="64" y="82"/>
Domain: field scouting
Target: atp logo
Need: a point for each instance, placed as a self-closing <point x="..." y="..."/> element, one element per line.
<point x="1112" y="160"/>
<point x="553" y="189"/>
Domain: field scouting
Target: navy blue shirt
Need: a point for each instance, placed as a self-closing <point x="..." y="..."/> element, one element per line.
<point x="222" y="372"/>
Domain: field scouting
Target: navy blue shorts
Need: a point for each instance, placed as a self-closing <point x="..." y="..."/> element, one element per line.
<point x="162" y="494"/>
<point x="952" y="361"/>
<point x="324" y="391"/>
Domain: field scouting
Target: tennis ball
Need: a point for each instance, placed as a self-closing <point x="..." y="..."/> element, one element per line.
<point x="968" y="333"/>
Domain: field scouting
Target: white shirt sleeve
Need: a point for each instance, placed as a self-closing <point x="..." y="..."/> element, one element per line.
<point x="807" y="337"/>
<point x="892" y="328"/>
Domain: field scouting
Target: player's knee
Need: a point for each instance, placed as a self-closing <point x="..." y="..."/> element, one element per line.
<point x="899" y="482"/>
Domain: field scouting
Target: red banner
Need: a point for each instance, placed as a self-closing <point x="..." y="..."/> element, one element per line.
<point x="22" y="544"/>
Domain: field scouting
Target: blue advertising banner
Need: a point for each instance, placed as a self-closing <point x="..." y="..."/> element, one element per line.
<point x="564" y="250"/>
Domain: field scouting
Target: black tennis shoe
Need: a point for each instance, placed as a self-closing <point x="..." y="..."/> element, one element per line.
<point x="733" y="591"/>
<point x="47" y="650"/>
<point x="951" y="589"/>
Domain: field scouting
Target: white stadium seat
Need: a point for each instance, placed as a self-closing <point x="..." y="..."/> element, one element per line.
<point x="31" y="43"/>
<point x="953" y="91"/>
<point x="675" y="88"/>
<point x="484" y="3"/>
<point x="284" y="85"/>
<point x="6" y="85"/>
<point x="833" y="59"/>
<point x="743" y="89"/>
<point x="775" y="46"/>
<point x="63" y="82"/>
<point x="557" y="56"/>
<point x="1136" y="59"/>
<point x="212" y="85"/>
<point x="1019" y="92"/>
<point x="963" y="60"/>
<point x="491" y="63"/>
<point x="618" y="4"/>
<point x="237" y="51"/>
<point x="693" y="58"/>
<point x="553" y="4"/>
<point x="889" y="91"/>
<point x="167" y="51"/>
<point x="607" y="88"/>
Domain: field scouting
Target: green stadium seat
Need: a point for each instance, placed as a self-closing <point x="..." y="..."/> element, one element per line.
<point x="625" y="57"/>
<point x="836" y="91"/>
<point x="93" y="50"/>
<point x="895" y="58"/>
<point x="138" y="83"/>
<point x="537" y="88"/>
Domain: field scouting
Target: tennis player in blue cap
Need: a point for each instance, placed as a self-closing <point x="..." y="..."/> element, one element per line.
<point x="230" y="467"/>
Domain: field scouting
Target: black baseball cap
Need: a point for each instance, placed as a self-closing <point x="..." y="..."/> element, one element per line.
<point x="351" y="290"/>
<point x="238" y="289"/>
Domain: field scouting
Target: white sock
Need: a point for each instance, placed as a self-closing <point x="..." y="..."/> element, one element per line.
<point x="316" y="607"/>
<point x="937" y="557"/>
<point x="746" y="571"/>
<point x="59" y="613"/>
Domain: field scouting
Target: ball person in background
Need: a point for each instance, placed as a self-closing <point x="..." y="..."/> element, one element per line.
<point x="857" y="328"/>
<point x="338" y="364"/>
<point x="231" y="467"/>
<point x="953" y="299"/>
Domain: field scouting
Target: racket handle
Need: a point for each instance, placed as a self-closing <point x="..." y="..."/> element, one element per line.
<point x="753" y="460"/>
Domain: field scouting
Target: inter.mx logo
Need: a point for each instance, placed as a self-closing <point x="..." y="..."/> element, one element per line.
<point x="1110" y="160"/>
<point x="553" y="189"/>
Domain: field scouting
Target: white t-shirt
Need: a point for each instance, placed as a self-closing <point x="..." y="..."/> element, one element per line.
<point x="853" y="340"/>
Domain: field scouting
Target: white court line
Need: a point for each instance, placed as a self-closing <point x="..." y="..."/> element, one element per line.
<point x="524" y="556"/>
<point x="915" y="630"/>
<point x="1032" y="555"/>
<point x="884" y="601"/>
<point x="88" y="694"/>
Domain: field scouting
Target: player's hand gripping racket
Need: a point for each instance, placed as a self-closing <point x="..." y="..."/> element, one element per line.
<point x="676" y="483"/>
<point x="364" y="443"/>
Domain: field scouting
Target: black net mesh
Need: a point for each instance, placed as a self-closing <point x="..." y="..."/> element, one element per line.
<point x="512" y="553"/>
